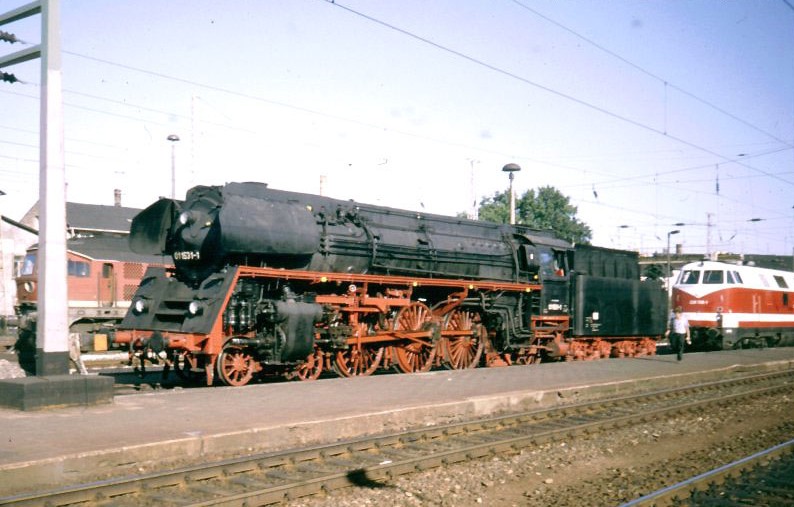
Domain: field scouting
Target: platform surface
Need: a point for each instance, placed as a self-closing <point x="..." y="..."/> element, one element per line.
<point x="167" y="428"/>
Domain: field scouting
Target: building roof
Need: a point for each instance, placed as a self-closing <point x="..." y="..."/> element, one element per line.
<point x="107" y="248"/>
<point x="99" y="218"/>
<point x="89" y="218"/>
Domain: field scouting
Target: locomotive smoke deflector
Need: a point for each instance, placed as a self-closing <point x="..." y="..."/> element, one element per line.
<point x="150" y="228"/>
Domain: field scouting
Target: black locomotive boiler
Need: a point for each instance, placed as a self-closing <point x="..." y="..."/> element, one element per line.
<point x="274" y="282"/>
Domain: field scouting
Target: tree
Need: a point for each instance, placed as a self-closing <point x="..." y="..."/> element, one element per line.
<point x="546" y="209"/>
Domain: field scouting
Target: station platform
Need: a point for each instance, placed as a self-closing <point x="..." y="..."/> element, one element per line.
<point x="167" y="428"/>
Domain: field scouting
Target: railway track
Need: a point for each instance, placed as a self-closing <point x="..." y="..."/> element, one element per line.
<point x="278" y="477"/>
<point x="767" y="475"/>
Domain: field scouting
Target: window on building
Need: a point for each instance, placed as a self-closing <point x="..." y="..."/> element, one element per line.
<point x="79" y="269"/>
<point x="28" y="265"/>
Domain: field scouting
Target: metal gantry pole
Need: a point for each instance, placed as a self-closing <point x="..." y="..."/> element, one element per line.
<point x="53" y="385"/>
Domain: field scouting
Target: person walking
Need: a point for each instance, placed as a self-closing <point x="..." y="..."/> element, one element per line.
<point x="677" y="332"/>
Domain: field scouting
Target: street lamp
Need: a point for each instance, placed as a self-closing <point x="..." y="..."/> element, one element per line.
<point x="173" y="138"/>
<point x="668" y="252"/>
<point x="510" y="169"/>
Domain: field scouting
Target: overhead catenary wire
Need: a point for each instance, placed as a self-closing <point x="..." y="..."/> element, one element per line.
<point x="584" y="103"/>
<point x="665" y="82"/>
<point x="371" y="125"/>
<point x="558" y="93"/>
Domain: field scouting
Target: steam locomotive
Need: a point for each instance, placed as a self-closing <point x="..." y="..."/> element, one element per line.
<point x="274" y="282"/>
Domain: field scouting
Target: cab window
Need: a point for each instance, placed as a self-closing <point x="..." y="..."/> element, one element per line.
<point x="552" y="263"/>
<point x="713" y="277"/>
<point x="690" y="277"/>
<point x="546" y="262"/>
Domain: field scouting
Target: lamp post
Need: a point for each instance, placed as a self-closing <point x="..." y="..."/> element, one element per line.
<point x="510" y="169"/>
<point x="173" y="138"/>
<point x="668" y="252"/>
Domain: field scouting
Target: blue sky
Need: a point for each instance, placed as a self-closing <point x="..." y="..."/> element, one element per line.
<point x="637" y="111"/>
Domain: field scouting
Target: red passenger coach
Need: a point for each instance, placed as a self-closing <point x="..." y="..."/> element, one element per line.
<point x="103" y="275"/>
<point x="735" y="306"/>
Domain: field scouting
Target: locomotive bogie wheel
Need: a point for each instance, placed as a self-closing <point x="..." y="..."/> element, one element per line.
<point x="358" y="360"/>
<point x="461" y="352"/>
<point x="415" y="356"/>
<point x="235" y="366"/>
<point x="310" y="369"/>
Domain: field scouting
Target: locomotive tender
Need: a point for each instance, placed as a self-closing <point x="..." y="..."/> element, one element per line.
<point x="269" y="281"/>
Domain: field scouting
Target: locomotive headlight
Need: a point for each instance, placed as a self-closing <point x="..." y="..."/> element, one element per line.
<point x="186" y="218"/>
<point x="28" y="287"/>
<point x="139" y="306"/>
<point x="195" y="308"/>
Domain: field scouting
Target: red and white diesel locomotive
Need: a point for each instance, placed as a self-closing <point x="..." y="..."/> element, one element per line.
<point x="733" y="306"/>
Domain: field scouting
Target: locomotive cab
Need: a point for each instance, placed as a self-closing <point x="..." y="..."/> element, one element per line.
<point x="545" y="259"/>
<point x="555" y="294"/>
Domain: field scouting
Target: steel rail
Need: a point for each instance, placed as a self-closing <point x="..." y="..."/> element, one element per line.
<point x="728" y="478"/>
<point x="277" y="477"/>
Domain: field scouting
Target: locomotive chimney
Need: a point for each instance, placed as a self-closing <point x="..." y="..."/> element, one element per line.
<point x="117" y="198"/>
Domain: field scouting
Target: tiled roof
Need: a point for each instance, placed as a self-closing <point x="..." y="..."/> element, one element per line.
<point x="89" y="217"/>
<point x="94" y="217"/>
<point x="111" y="248"/>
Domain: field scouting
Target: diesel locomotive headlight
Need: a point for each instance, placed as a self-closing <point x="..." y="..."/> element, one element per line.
<point x="28" y="287"/>
<point x="139" y="306"/>
<point x="186" y="218"/>
<point x="195" y="308"/>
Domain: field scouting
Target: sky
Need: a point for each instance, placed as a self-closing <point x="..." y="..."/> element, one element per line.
<point x="645" y="114"/>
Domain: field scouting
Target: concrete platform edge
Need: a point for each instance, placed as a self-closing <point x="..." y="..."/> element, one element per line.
<point x="55" y="391"/>
<point x="123" y="461"/>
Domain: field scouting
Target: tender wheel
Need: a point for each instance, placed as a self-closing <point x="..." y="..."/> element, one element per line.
<point x="419" y="355"/>
<point x="310" y="369"/>
<point x="359" y="359"/>
<point x="464" y="351"/>
<point x="235" y="366"/>
<point x="186" y="368"/>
